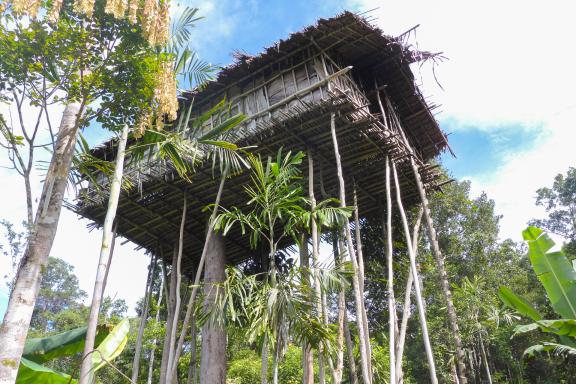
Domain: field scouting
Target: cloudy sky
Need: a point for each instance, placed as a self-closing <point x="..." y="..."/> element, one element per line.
<point x="507" y="101"/>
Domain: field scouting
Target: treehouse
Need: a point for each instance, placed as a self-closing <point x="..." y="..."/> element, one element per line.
<point x="341" y="66"/>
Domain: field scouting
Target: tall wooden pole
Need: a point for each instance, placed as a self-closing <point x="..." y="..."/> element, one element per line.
<point x="390" y="284"/>
<point x="419" y="301"/>
<point x="406" y="307"/>
<point x="307" y="356"/>
<point x="362" y="339"/>
<point x="452" y="318"/>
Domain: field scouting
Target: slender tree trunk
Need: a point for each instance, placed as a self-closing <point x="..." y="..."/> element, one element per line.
<point x="361" y="277"/>
<point x="390" y="284"/>
<point x="143" y="319"/>
<point x="109" y="262"/>
<point x="276" y="360"/>
<point x="360" y="313"/>
<point x="115" y="186"/>
<point x="157" y="319"/>
<point x="213" y="354"/>
<point x="419" y="301"/>
<point x="350" y="351"/>
<point x="170" y="306"/>
<point x="199" y="270"/>
<point x="27" y="283"/>
<point x="315" y="256"/>
<point x="445" y="285"/>
<point x="192" y="371"/>
<point x="171" y="373"/>
<point x="485" y="358"/>
<point x="339" y="370"/>
<point x="406" y="307"/>
<point x="264" y="359"/>
<point x="307" y="356"/>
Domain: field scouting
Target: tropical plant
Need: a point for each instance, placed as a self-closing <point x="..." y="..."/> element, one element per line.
<point x="110" y="341"/>
<point x="558" y="277"/>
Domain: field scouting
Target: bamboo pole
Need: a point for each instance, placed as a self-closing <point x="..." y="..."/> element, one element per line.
<point x="339" y="370"/>
<point x="364" y="350"/>
<point x="157" y="319"/>
<point x="406" y="307"/>
<point x="307" y="356"/>
<point x="419" y="301"/>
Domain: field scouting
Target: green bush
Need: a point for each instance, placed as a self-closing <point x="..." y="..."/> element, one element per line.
<point x="245" y="368"/>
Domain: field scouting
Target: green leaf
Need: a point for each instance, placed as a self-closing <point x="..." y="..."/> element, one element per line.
<point x="554" y="272"/>
<point x="30" y="372"/>
<point x="518" y="303"/>
<point x="112" y="345"/>
<point x="62" y="344"/>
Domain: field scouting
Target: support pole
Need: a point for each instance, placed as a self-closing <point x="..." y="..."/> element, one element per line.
<point x="452" y="318"/>
<point x="390" y="284"/>
<point x="363" y="340"/>
<point x="307" y="356"/>
<point x="421" y="311"/>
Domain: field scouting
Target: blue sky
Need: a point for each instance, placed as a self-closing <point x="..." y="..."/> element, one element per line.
<point x="507" y="100"/>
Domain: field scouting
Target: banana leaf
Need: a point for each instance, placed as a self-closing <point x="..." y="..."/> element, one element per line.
<point x="30" y="372"/>
<point x="518" y="303"/>
<point x="554" y="272"/>
<point x="112" y="345"/>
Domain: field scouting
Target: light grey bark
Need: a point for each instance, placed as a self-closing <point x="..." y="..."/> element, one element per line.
<point x="444" y="284"/>
<point x="360" y="313"/>
<point x="143" y="319"/>
<point x="172" y="359"/>
<point x="264" y="359"/>
<point x="170" y="306"/>
<point x="406" y="307"/>
<point x="157" y="319"/>
<point x="339" y="369"/>
<point x="27" y="283"/>
<point x="107" y="236"/>
<point x="350" y="351"/>
<point x="390" y="283"/>
<point x="213" y="354"/>
<point x="419" y="301"/>
<point x="109" y="262"/>
<point x="315" y="256"/>
<point x="307" y="355"/>
<point x="192" y="371"/>
<point x="485" y="358"/>
<point x="199" y="270"/>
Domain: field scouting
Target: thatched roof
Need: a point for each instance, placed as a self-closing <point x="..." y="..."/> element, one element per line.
<point x="149" y="216"/>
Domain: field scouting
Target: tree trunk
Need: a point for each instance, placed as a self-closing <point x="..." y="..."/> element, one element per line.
<point x="190" y="306"/>
<point x="213" y="354"/>
<point x="421" y="311"/>
<point x="27" y="283"/>
<point x="350" y="351"/>
<point x="390" y="284"/>
<point x="485" y="358"/>
<point x="452" y="318"/>
<point x="406" y="307"/>
<point x="315" y="256"/>
<point x="143" y="319"/>
<point x="264" y="360"/>
<point x="193" y="354"/>
<point x="307" y="356"/>
<point x="360" y="313"/>
<point x="157" y="319"/>
<point x="171" y="373"/>
<point x="115" y="187"/>
<point x="361" y="277"/>
<point x="109" y="262"/>
<point x="339" y="370"/>
<point x="170" y="306"/>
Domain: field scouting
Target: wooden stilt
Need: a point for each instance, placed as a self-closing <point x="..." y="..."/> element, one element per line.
<point x="307" y="356"/>
<point x="360" y="314"/>
<point x="419" y="301"/>
<point x="406" y="306"/>
<point x="390" y="284"/>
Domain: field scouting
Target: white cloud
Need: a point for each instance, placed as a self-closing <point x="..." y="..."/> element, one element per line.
<point x="510" y="62"/>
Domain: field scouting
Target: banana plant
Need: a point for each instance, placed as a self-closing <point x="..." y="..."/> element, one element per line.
<point x="110" y="341"/>
<point x="558" y="277"/>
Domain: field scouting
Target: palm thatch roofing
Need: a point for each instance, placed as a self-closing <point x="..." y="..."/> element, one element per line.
<point x="150" y="215"/>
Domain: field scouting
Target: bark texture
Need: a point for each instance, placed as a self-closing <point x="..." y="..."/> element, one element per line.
<point x="213" y="354"/>
<point x="27" y="283"/>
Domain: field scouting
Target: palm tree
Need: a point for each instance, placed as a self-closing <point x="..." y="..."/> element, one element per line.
<point x="276" y="201"/>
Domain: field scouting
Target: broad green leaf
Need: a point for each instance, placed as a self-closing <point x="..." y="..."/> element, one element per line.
<point x="62" y="344"/>
<point x="30" y="372"/>
<point x="520" y="304"/>
<point x="561" y="327"/>
<point x="554" y="272"/>
<point x="112" y="345"/>
<point x="558" y="349"/>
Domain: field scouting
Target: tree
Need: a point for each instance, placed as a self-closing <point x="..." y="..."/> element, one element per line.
<point x="59" y="291"/>
<point x="90" y="60"/>
<point x="560" y="204"/>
